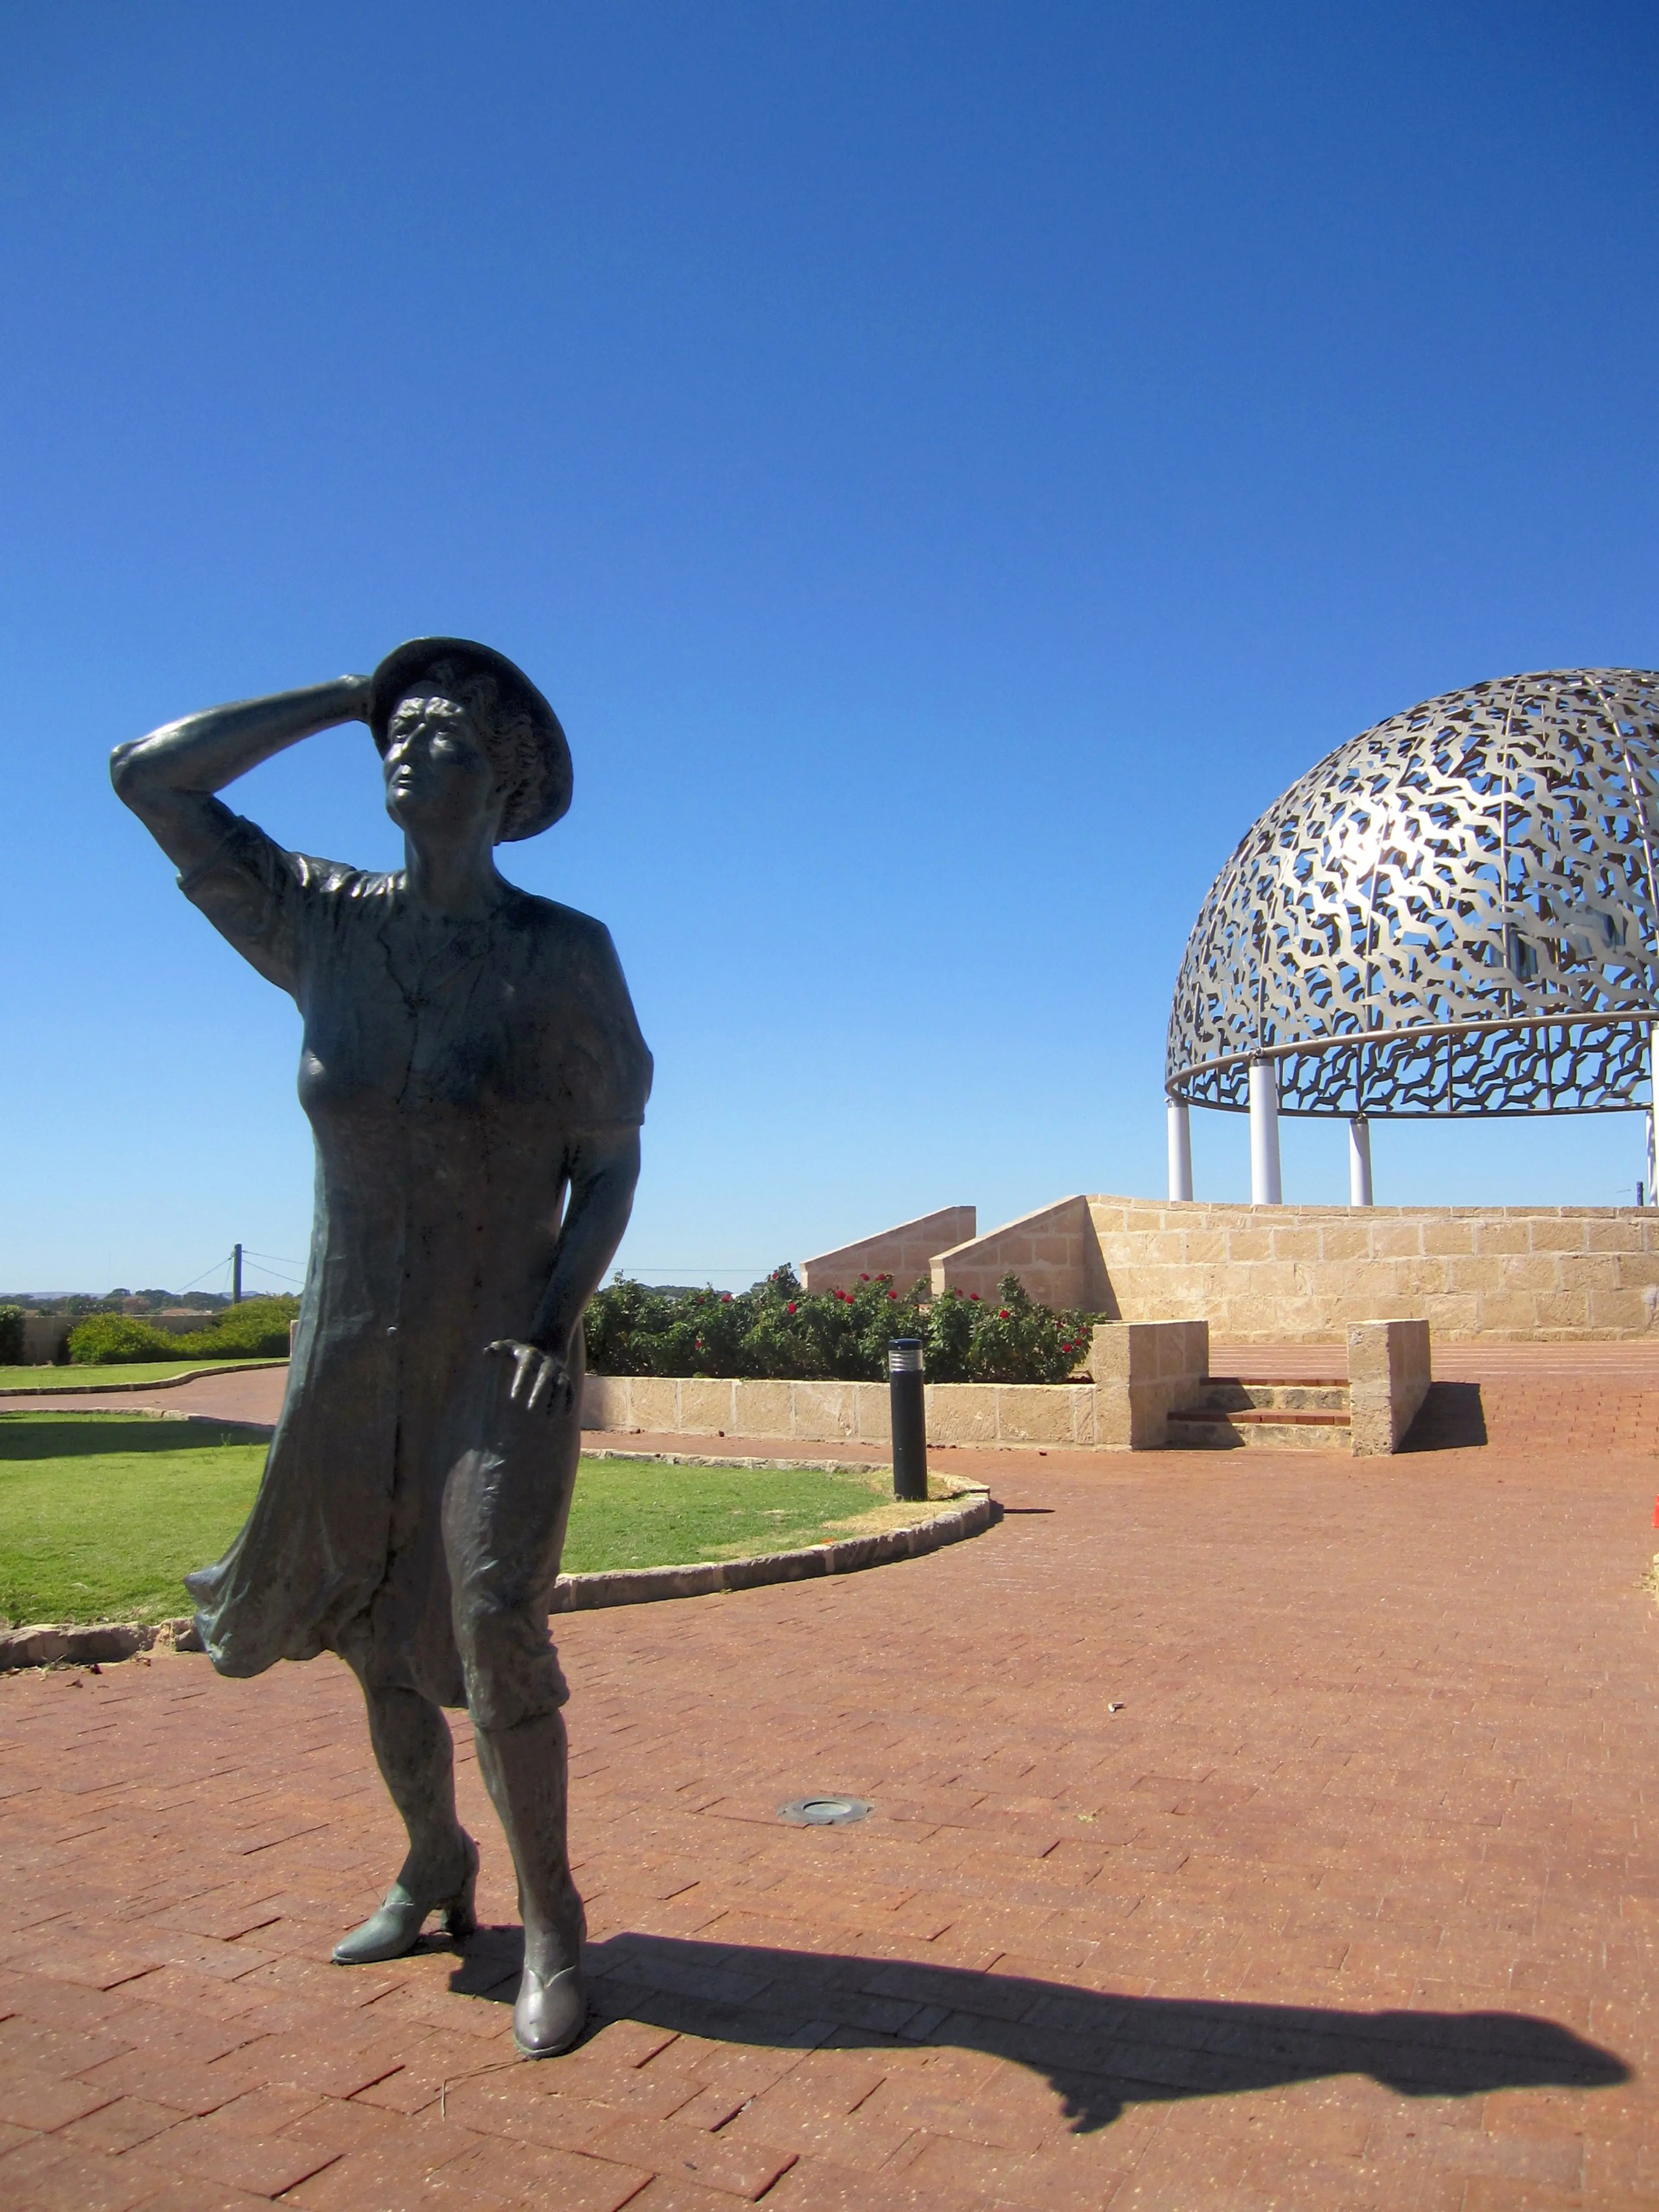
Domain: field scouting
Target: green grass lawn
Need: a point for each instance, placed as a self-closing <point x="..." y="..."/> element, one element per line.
<point x="636" y="1513"/>
<point x="135" y="1370"/>
<point x="100" y="1516"/>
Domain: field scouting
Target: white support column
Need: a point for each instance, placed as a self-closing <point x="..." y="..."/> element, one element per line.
<point x="1360" y="1161"/>
<point x="1265" y="1187"/>
<point x="1650" y="1193"/>
<point x="1181" y="1149"/>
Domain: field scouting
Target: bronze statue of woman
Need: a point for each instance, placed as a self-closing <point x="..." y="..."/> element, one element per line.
<point x="474" y="1080"/>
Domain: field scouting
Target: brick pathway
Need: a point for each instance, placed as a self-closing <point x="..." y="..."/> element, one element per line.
<point x="253" y="1395"/>
<point x="1263" y="1833"/>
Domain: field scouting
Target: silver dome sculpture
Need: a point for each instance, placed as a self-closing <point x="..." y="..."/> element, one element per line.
<point x="1454" y="912"/>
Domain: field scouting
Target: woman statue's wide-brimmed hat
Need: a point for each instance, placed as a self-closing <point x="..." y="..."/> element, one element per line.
<point x="541" y="778"/>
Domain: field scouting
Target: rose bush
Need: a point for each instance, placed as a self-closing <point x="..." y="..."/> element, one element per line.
<point x="776" y="1329"/>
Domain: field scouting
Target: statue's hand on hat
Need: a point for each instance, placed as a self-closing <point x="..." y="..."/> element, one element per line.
<point x="541" y="1379"/>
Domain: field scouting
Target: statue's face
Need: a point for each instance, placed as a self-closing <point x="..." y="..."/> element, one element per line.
<point x="438" y="776"/>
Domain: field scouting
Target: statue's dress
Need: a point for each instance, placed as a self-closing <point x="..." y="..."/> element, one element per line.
<point x="453" y="1076"/>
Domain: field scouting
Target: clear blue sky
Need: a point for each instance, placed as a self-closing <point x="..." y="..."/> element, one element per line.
<point x="950" y="465"/>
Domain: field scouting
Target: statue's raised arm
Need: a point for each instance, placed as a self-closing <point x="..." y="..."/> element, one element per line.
<point x="169" y="778"/>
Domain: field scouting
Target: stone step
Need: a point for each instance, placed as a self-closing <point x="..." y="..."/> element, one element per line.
<point x="1217" y="1428"/>
<point x="1225" y="1393"/>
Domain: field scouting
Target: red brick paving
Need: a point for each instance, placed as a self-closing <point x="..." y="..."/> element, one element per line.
<point x="1352" y="1903"/>
<point x="255" y="1394"/>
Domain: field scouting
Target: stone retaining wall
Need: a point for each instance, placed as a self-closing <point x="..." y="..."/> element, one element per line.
<point x="905" y="1252"/>
<point x="842" y="1413"/>
<point x="45" y="1337"/>
<point x="1277" y="1273"/>
<point x="1138" y="1375"/>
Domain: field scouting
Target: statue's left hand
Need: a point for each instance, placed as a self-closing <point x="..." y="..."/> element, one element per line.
<point x="540" y="1378"/>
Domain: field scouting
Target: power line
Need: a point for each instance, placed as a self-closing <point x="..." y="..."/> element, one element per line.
<point x="205" y="1272"/>
<point x="228" y="1263"/>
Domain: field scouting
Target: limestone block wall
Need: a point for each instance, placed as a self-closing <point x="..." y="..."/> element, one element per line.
<point x="45" y="1336"/>
<point x="1274" y="1274"/>
<point x="1138" y="1374"/>
<point x="904" y="1253"/>
<point x="1056" y="1254"/>
<point x="1389" y="1373"/>
<point x="1143" y="1372"/>
<point x="846" y="1413"/>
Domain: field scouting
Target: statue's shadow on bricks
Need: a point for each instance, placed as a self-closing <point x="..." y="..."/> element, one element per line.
<point x="1099" y="2051"/>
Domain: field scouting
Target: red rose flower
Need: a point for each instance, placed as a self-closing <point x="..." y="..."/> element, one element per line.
<point x="791" y="1305"/>
<point x="1002" y="1313"/>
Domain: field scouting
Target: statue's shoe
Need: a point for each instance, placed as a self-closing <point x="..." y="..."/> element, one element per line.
<point x="395" y="1929"/>
<point x="550" y="2013"/>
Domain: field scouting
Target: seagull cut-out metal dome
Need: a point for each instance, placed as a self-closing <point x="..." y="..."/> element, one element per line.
<point x="1454" y="912"/>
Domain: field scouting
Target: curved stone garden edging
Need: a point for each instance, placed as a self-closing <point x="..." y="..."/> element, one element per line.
<point x="45" y="1645"/>
<point x="731" y="1459"/>
<point x="48" y="1644"/>
<point x="166" y="1382"/>
<point x="848" y="1555"/>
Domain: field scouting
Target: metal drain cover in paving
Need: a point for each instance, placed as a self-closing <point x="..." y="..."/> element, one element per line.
<point x="824" y="1811"/>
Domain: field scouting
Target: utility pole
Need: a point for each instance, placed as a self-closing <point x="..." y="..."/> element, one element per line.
<point x="236" y="1275"/>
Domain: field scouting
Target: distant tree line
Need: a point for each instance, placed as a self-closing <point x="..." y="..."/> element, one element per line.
<point x="83" y="1301"/>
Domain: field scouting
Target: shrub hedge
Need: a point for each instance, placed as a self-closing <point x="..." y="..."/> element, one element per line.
<point x="774" y="1330"/>
<point x="778" y="1330"/>
<point x="256" y="1329"/>
<point x="11" y="1336"/>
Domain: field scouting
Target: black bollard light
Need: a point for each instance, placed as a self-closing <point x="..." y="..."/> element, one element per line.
<point x="909" y="1411"/>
